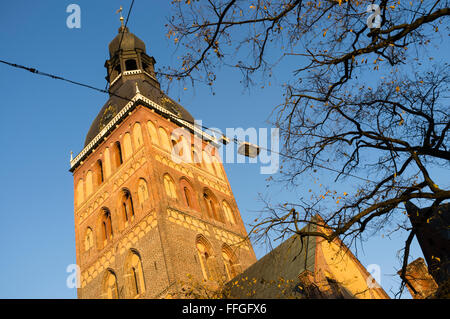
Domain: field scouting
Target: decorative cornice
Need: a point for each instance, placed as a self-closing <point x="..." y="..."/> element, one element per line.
<point x="177" y="119"/>
<point x="103" y="132"/>
<point x="193" y="223"/>
<point x="230" y="238"/>
<point x="217" y="186"/>
<point x="187" y="221"/>
<point x="132" y="72"/>
<point x="123" y="113"/>
<point x="115" y="80"/>
<point x="166" y="161"/>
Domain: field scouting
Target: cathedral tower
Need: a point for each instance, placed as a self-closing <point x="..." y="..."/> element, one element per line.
<point x="153" y="206"/>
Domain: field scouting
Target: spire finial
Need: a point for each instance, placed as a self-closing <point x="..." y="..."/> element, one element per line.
<point x="71" y="156"/>
<point x="121" y="17"/>
<point x="137" y="89"/>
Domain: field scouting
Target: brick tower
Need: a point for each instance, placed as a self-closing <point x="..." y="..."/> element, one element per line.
<point x="153" y="206"/>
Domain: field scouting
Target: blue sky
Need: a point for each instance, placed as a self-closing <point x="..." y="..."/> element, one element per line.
<point x="44" y="119"/>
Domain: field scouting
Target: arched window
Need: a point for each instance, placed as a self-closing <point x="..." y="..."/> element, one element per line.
<point x="195" y="157"/>
<point x="135" y="275"/>
<point x="176" y="148"/>
<point x="208" y="163"/>
<point x="188" y="194"/>
<point x="231" y="262"/>
<point x="142" y="191"/>
<point x="228" y="213"/>
<point x="128" y="150"/>
<point x="211" y="206"/>
<point x="99" y="172"/>
<point x="110" y="289"/>
<point x="184" y="150"/>
<point x="80" y="192"/>
<point x="204" y="253"/>
<point x="174" y="142"/>
<point x="169" y="185"/>
<point x="152" y="132"/>
<point x="107" y="163"/>
<point x="130" y="65"/>
<point x="88" y="239"/>
<point x="218" y="167"/>
<point x="118" y="160"/>
<point x="165" y="142"/>
<point x="106" y="226"/>
<point x="89" y="187"/>
<point x="137" y="135"/>
<point x="127" y="207"/>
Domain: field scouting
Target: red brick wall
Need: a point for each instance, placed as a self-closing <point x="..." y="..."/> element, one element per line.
<point x="420" y="279"/>
<point x="165" y="243"/>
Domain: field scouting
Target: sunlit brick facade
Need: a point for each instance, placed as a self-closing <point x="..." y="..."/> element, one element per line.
<point x="146" y="221"/>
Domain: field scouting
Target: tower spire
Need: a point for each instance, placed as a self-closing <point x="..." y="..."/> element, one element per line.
<point x="121" y="17"/>
<point x="128" y="60"/>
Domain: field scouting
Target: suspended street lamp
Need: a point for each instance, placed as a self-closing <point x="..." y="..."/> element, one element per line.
<point x="248" y="149"/>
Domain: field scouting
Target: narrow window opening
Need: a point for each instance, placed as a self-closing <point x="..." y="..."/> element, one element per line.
<point x="136" y="284"/>
<point x="130" y="65"/>
<point x="100" y="175"/>
<point x="187" y="195"/>
<point x="105" y="231"/>
<point x="125" y="213"/>
<point x="118" y="154"/>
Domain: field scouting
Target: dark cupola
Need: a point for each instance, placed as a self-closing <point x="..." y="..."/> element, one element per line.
<point x="130" y="69"/>
<point x="128" y="60"/>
